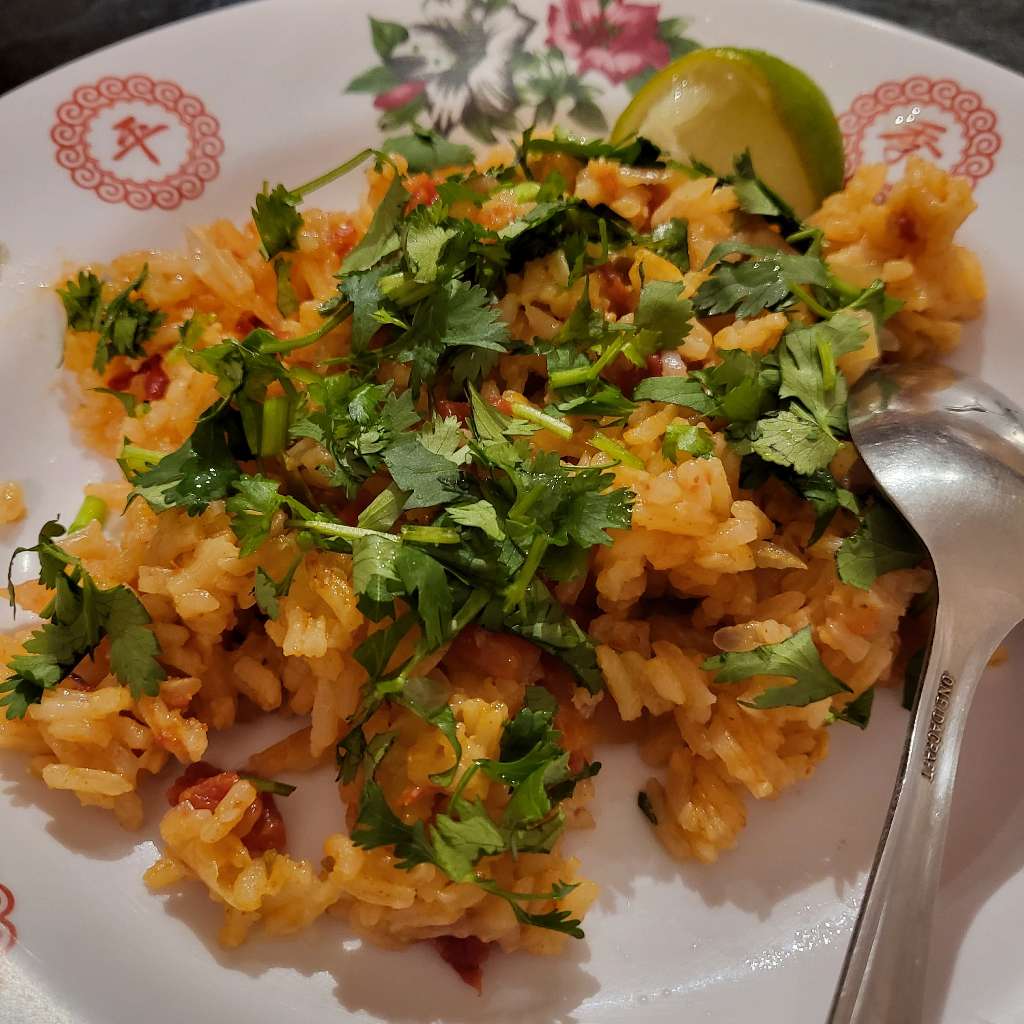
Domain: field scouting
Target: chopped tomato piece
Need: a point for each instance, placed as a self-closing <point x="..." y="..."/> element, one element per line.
<point x="460" y="410"/>
<point x="343" y="239"/>
<point x="192" y="774"/>
<point x="154" y="378"/>
<point x="422" y="191"/>
<point x="617" y="290"/>
<point x="466" y="956"/>
<point x="268" y="833"/>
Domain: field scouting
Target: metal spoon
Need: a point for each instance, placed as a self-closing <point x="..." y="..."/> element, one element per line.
<point x="948" y="451"/>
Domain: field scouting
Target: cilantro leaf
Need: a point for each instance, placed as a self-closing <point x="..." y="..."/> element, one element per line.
<point x="692" y="439"/>
<point x="858" y="711"/>
<point x="636" y="152"/>
<point x="424" y="578"/>
<point x="132" y="406"/>
<point x="133" y="647"/>
<point x="690" y="392"/>
<point x="381" y="238"/>
<point x="124" y="323"/>
<point x="796" y="658"/>
<point x="883" y="543"/>
<point x="428" y="699"/>
<point x="756" y="197"/>
<point x="827" y="497"/>
<point x="794" y="438"/>
<point x="202" y="470"/>
<point x="661" y="311"/>
<point x="252" y="507"/>
<point x="427" y="464"/>
<point x="80" y="616"/>
<point x="671" y="241"/>
<point x="749" y="287"/>
<point x="267" y="590"/>
<point x="426" y="150"/>
<point x="379" y="647"/>
<point x="540" y="619"/>
<point x="478" y="514"/>
<point x="355" y="422"/>
<point x="83" y="302"/>
<point x="454" y="315"/>
<point x="363" y="291"/>
<point x="276" y="219"/>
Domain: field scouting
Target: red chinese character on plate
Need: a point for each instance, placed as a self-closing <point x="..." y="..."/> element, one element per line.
<point x="912" y="133"/>
<point x="936" y="118"/>
<point x="113" y="134"/>
<point x="132" y="134"/>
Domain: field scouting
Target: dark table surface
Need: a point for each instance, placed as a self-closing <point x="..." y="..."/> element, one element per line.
<point x="37" y="35"/>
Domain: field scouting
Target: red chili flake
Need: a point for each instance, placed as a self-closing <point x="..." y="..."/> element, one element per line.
<point x="466" y="956"/>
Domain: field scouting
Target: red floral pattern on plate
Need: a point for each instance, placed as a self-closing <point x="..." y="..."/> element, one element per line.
<point x="115" y="136"/>
<point x="488" y="68"/>
<point x="937" y="118"/>
<point x="618" y="39"/>
<point x="8" y="933"/>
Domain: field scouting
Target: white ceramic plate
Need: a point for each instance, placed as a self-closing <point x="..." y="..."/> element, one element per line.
<point x="259" y="91"/>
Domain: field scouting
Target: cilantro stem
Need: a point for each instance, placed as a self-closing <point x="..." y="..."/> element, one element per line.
<point x="616" y="451"/>
<point x="413" y="534"/>
<point x="274" y="429"/>
<point x="809" y="300"/>
<point x="343" y="312"/>
<point x="337" y="172"/>
<point x="468" y="612"/>
<point x="555" y="424"/>
<point x="340" y="530"/>
<point x="268" y="785"/>
<point x="828" y="363"/>
<point x="91" y="509"/>
<point x="515" y="593"/>
<point x="431" y="535"/>
<point x="582" y="374"/>
<point x="496" y="890"/>
<point x="134" y="459"/>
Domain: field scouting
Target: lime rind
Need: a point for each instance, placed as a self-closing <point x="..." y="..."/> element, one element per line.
<point x="802" y="110"/>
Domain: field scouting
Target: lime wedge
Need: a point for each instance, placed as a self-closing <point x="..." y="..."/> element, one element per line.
<point x="710" y="105"/>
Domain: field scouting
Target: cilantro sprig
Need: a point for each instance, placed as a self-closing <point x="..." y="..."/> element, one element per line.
<point x="124" y="323"/>
<point x="80" y="615"/>
<point x="534" y="766"/>
<point x="796" y="658"/>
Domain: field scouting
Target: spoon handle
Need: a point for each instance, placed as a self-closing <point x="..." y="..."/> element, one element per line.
<point x="884" y="972"/>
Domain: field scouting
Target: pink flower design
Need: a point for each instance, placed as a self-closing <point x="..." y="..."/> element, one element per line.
<point x="619" y="39"/>
<point x="399" y="95"/>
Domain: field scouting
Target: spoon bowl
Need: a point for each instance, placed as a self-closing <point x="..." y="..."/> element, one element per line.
<point x="948" y="452"/>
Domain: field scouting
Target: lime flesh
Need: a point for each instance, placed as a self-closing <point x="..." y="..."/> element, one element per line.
<point x="712" y="104"/>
